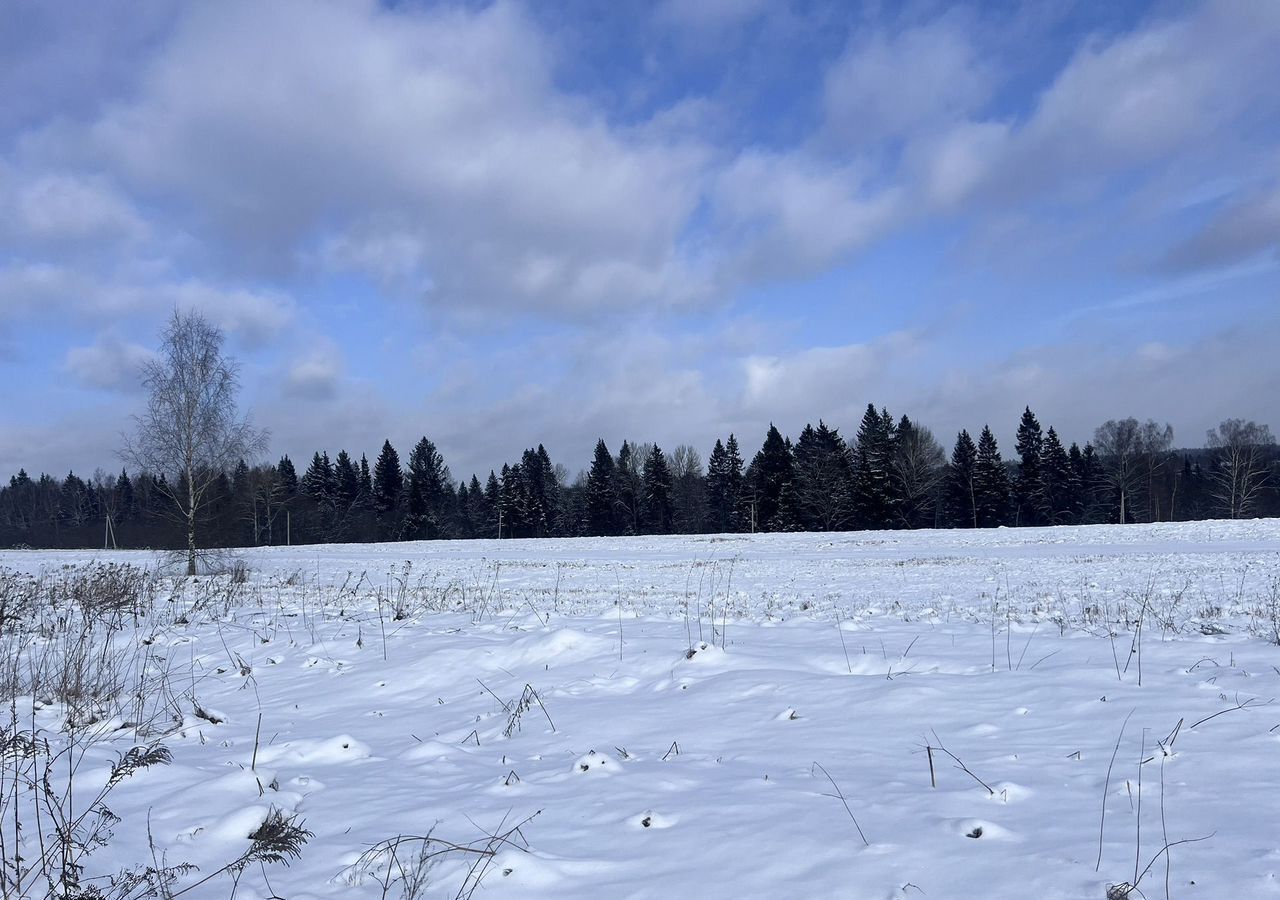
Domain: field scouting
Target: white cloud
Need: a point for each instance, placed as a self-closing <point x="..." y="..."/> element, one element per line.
<point x="65" y="207"/>
<point x="787" y="213"/>
<point x="110" y="363"/>
<point x="318" y="374"/>
<point x="439" y="144"/>
<point x="256" y="316"/>
<point x="888" y="86"/>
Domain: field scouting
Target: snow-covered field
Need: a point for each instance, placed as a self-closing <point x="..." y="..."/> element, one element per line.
<point x="718" y="717"/>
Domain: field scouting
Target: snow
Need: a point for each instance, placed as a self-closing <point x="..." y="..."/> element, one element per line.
<point x="708" y="716"/>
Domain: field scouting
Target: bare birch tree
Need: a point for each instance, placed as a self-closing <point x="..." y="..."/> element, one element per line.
<point x="1131" y="453"/>
<point x="1243" y="451"/>
<point x="190" y="432"/>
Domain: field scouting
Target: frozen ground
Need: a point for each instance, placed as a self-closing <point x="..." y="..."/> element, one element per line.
<point x="462" y="688"/>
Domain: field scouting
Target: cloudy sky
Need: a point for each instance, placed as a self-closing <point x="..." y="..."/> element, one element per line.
<point x="503" y="223"/>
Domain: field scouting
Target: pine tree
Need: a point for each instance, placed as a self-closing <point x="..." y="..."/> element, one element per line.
<point x="601" y="516"/>
<point x="962" y="497"/>
<point x="1027" y="489"/>
<point x="388" y="485"/>
<point x="991" y="483"/>
<point x="657" y="493"/>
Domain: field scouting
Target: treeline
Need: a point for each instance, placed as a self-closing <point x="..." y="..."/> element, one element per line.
<point x="893" y="474"/>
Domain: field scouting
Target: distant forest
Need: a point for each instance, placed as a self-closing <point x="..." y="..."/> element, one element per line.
<point x="893" y="474"/>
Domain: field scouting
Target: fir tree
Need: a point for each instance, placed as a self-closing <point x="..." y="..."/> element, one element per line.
<point x="493" y="504"/>
<point x="1057" y="482"/>
<point x="822" y="496"/>
<point x="128" y="502"/>
<point x="1027" y="487"/>
<point x="734" y="478"/>
<point x="425" y="489"/>
<point x="288" y="476"/>
<point x="874" y="493"/>
<point x="627" y="491"/>
<point x="366" y="480"/>
<point x="657" y="493"/>
<point x="318" y="483"/>
<point x="388" y="484"/>
<point x="347" y="480"/>
<point x="771" y="469"/>
<point x="991" y="483"/>
<point x="601" y="516"/>
<point x="962" y="496"/>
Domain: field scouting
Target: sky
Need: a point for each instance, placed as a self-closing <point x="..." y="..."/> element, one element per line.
<point x="504" y="224"/>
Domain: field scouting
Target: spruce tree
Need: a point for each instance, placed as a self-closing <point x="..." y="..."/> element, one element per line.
<point x="288" y="476"/>
<point x="493" y="505"/>
<point x="601" y="516"/>
<point x="962" y="497"/>
<point x="1027" y="487"/>
<point x="991" y="483"/>
<point x="128" y="502"/>
<point x="822" y="493"/>
<point x="318" y="483"/>
<point x="734" y="479"/>
<point x="366" y="480"/>
<point x="771" y="469"/>
<point x="1057" y="483"/>
<point x="347" y="480"/>
<point x="874" y="494"/>
<point x="657" y="493"/>
<point x="627" y="490"/>
<point x="426" y="488"/>
<point x="388" y="485"/>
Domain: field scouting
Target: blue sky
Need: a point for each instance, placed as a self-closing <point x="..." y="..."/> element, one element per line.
<point x="503" y="223"/>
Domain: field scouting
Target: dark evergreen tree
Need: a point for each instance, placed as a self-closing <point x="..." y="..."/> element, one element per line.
<point x="426" y="489"/>
<point x="318" y="482"/>
<point x="478" y="512"/>
<point x="822" y="496"/>
<point x="346" y="479"/>
<point x="771" y="469"/>
<point x="991" y="483"/>
<point x="874" y="494"/>
<point x="1027" y="487"/>
<point x="127" y="507"/>
<point x="628" y="490"/>
<point x="725" y="501"/>
<point x="388" y="485"/>
<point x="657" y="493"/>
<point x="962" y="488"/>
<point x="288" y="476"/>
<point x="366" y="481"/>
<point x="1058" y="488"/>
<point x="602" y="518"/>
<point x="513" y="502"/>
<point x="493" y="505"/>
